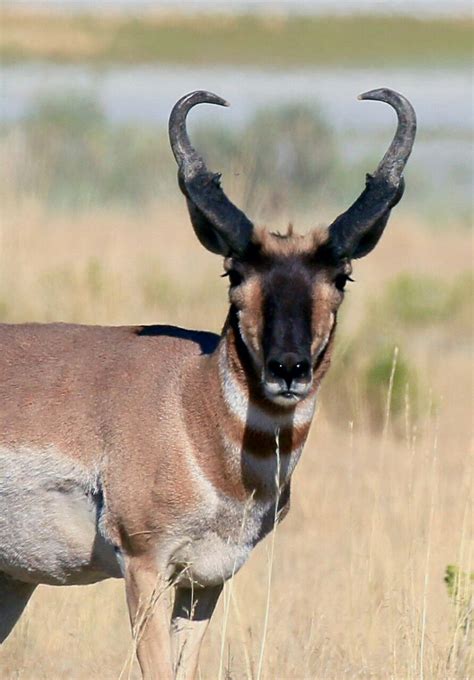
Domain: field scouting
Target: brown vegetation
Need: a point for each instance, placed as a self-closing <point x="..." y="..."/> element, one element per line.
<point x="377" y="514"/>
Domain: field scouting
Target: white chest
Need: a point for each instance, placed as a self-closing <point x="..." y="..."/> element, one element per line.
<point x="210" y="546"/>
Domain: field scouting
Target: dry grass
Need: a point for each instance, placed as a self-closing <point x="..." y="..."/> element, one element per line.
<point x="357" y="576"/>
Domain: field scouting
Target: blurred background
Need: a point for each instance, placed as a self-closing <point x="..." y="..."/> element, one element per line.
<point x="373" y="568"/>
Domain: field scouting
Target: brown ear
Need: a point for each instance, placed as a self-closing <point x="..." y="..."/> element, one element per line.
<point x="219" y="225"/>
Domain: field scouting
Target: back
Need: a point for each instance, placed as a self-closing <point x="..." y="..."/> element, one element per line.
<point x="61" y="384"/>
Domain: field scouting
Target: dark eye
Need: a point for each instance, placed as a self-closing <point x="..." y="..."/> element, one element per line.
<point x="341" y="280"/>
<point x="235" y="277"/>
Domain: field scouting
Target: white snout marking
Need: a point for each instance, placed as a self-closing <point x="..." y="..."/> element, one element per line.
<point x="253" y="416"/>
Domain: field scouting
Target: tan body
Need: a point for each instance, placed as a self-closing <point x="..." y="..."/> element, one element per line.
<point x="134" y="451"/>
<point x="164" y="455"/>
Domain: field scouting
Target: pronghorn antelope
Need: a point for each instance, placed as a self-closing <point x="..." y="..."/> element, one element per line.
<point x="150" y="453"/>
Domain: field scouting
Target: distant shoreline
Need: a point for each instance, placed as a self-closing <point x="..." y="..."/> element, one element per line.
<point x="281" y="41"/>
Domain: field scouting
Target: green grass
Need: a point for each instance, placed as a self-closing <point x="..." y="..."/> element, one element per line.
<point x="246" y="40"/>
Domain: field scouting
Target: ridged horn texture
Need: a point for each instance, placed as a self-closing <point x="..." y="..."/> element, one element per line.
<point x="356" y="231"/>
<point x="220" y="226"/>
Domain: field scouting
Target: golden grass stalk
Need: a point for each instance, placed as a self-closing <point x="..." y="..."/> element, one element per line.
<point x="271" y="556"/>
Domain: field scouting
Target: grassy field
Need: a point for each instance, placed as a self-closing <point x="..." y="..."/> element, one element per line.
<point x="111" y="38"/>
<point x="379" y="509"/>
<point x="94" y="230"/>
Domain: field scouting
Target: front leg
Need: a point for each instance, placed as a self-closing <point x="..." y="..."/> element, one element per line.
<point x="192" y="611"/>
<point x="147" y="605"/>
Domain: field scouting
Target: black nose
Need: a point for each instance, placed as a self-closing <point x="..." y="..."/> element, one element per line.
<point x="289" y="367"/>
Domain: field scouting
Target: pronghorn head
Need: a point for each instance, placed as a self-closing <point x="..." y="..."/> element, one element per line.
<point x="285" y="290"/>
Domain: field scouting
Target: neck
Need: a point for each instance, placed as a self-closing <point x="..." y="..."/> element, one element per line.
<point x="240" y="439"/>
<point x="252" y="429"/>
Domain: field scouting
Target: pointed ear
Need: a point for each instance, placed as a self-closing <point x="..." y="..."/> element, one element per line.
<point x="219" y="225"/>
<point x="344" y="231"/>
<point x="204" y="230"/>
<point x="368" y="242"/>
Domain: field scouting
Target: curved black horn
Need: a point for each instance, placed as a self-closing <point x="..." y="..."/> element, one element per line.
<point x="356" y="231"/>
<point x="220" y="226"/>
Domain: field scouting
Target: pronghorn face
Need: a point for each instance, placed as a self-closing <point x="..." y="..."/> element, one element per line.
<point x="285" y="290"/>
<point x="285" y="293"/>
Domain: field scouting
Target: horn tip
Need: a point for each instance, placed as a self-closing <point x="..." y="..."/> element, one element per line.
<point x="211" y="98"/>
<point x="373" y="94"/>
<point x="218" y="100"/>
<point x="383" y="94"/>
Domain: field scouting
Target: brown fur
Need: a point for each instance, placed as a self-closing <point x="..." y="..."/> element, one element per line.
<point x="147" y="411"/>
<point x="291" y="243"/>
<point x="249" y="298"/>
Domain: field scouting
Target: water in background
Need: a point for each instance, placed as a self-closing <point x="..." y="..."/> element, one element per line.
<point x="442" y="160"/>
<point x="420" y="7"/>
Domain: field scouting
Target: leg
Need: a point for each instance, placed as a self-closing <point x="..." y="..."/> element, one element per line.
<point x="14" y="596"/>
<point x="146" y="598"/>
<point x="191" y="614"/>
